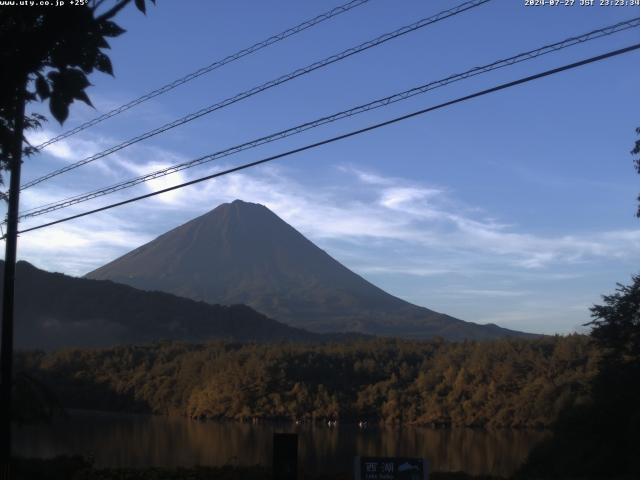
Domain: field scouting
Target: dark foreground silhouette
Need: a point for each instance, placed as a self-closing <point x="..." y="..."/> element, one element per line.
<point x="55" y="311"/>
<point x="601" y="438"/>
<point x="77" y="468"/>
<point x="596" y="432"/>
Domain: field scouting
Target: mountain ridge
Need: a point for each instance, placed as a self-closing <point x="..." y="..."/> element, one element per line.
<point x="243" y="253"/>
<point x="53" y="310"/>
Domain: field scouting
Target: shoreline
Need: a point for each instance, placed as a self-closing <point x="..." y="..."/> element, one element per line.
<point x="285" y="421"/>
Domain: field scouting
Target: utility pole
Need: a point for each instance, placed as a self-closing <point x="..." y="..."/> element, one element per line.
<point x="8" y="288"/>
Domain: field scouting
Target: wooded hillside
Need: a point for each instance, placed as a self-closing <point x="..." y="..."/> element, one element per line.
<point x="503" y="383"/>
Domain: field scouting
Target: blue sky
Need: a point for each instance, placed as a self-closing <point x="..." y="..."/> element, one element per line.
<point x="516" y="208"/>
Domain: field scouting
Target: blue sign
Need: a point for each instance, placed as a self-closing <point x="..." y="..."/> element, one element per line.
<point x="391" y="468"/>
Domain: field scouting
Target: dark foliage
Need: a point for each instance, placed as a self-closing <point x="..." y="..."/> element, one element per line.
<point x="616" y="324"/>
<point x="47" y="54"/>
<point x="636" y="152"/>
<point x="601" y="439"/>
<point x="77" y="468"/>
<point x="33" y="402"/>
<point x="502" y="383"/>
<point x="59" y="468"/>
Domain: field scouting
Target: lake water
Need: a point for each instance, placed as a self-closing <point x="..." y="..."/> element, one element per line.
<point x="116" y="440"/>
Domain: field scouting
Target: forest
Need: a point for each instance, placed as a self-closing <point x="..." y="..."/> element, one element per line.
<point x="518" y="383"/>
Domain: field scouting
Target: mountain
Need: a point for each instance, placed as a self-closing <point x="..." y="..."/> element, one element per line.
<point x="243" y="253"/>
<point x="55" y="310"/>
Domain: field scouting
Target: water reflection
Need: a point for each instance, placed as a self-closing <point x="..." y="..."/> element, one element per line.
<point x="138" y="441"/>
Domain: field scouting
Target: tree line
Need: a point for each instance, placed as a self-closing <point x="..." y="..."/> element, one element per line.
<point x="504" y="383"/>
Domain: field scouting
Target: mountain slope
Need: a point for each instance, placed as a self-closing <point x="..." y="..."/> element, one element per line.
<point x="243" y="253"/>
<point x="54" y="310"/>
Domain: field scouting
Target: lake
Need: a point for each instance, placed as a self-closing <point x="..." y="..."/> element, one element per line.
<point x="117" y="440"/>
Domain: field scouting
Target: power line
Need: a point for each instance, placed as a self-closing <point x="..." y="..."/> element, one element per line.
<point x="265" y="86"/>
<point x="602" y="32"/>
<point x="502" y="86"/>
<point x="209" y="68"/>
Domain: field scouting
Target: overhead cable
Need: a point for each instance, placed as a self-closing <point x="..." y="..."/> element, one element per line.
<point x="382" y="102"/>
<point x="209" y="68"/>
<point x="265" y="86"/>
<point x="353" y="133"/>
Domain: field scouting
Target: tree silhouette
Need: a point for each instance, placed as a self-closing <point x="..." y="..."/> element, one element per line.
<point x="50" y="51"/>
<point x="600" y="439"/>
<point x="616" y="324"/>
<point x="46" y="53"/>
<point x="636" y="151"/>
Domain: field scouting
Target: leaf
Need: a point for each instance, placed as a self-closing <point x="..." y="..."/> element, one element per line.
<point x="141" y="6"/>
<point x="73" y="80"/>
<point x="68" y="85"/>
<point x="111" y="29"/>
<point x="35" y="120"/>
<point x="68" y="52"/>
<point x="59" y="108"/>
<point x="88" y="59"/>
<point x="83" y="97"/>
<point x="102" y="43"/>
<point x="39" y="117"/>
<point x="103" y="63"/>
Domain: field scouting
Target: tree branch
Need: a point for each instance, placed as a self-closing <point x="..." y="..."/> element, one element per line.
<point x="113" y="11"/>
<point x="96" y="4"/>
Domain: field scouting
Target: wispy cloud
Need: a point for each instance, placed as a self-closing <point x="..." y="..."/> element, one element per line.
<point x="68" y="150"/>
<point x="458" y="292"/>
<point x="78" y="248"/>
<point x="380" y="226"/>
<point x="371" y="208"/>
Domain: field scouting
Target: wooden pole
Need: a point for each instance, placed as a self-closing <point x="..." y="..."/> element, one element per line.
<point x="6" y="345"/>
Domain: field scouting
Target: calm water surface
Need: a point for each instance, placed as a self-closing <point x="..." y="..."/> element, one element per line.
<point x="117" y="440"/>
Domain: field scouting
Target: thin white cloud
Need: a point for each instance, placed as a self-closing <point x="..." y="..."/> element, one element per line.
<point x="404" y="198"/>
<point x="406" y="212"/>
<point x="78" y="248"/>
<point x="483" y="292"/>
<point x="68" y="150"/>
<point x="370" y="210"/>
<point x="404" y="270"/>
<point x="366" y="177"/>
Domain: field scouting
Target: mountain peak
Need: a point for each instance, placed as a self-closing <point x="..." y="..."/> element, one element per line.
<point x="239" y="204"/>
<point x="242" y="252"/>
<point x="237" y="209"/>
